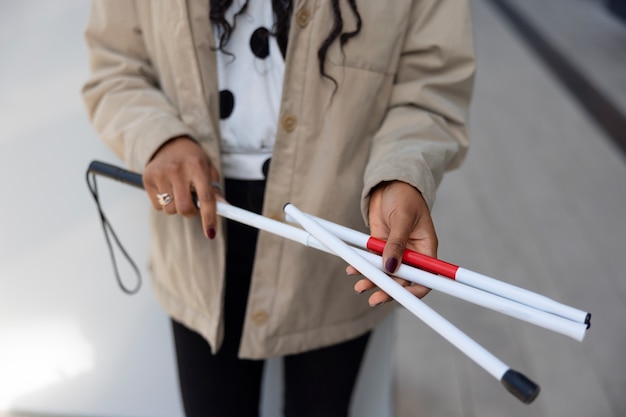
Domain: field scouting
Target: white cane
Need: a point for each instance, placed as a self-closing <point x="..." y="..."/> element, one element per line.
<point x="518" y="384"/>
<point x="511" y="308"/>
<point x="315" y="235"/>
<point x="459" y="274"/>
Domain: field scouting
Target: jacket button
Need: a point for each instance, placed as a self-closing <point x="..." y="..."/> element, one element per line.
<point x="303" y="18"/>
<point x="288" y="122"/>
<point x="260" y="317"/>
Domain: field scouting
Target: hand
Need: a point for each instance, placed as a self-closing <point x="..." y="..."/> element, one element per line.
<point x="399" y="215"/>
<point x="178" y="168"/>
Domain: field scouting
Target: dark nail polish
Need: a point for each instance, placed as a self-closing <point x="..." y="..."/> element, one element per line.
<point x="211" y="233"/>
<point x="391" y="265"/>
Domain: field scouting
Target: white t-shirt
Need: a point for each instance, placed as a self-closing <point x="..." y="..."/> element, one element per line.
<point x="250" y="77"/>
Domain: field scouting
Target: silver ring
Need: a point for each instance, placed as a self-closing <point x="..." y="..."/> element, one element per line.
<point x="164" y="199"/>
<point x="218" y="186"/>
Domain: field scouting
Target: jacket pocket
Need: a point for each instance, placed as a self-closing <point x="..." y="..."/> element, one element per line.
<point x="378" y="44"/>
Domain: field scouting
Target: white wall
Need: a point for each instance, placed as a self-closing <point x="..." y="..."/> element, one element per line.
<point x="71" y="343"/>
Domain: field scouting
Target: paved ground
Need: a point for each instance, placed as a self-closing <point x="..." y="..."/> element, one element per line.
<point x="540" y="203"/>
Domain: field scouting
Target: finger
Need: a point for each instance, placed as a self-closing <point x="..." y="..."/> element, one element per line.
<point x="152" y="192"/>
<point x="166" y="197"/>
<point x="364" y="285"/>
<point x="159" y="190"/>
<point x="166" y="200"/>
<point x="396" y="242"/>
<point x="350" y="270"/>
<point x="170" y="207"/>
<point x="151" y="189"/>
<point x="377" y="298"/>
<point x="183" y="200"/>
<point x="219" y="190"/>
<point x="207" y="195"/>
<point x="418" y="290"/>
<point x="208" y="209"/>
<point x="380" y="296"/>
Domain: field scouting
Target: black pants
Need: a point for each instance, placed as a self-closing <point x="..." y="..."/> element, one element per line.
<point x="317" y="383"/>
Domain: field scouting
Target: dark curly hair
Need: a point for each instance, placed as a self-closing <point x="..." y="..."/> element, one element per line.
<point x="283" y="10"/>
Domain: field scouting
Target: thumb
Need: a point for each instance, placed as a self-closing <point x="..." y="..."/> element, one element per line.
<point x="399" y="212"/>
<point x="397" y="240"/>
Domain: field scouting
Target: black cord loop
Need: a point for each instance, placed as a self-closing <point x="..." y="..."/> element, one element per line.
<point x="108" y="231"/>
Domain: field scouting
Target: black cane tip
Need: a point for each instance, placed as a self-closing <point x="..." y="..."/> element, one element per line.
<point x="520" y="386"/>
<point x="588" y="320"/>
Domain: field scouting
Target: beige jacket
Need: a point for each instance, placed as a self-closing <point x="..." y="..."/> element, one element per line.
<point x="399" y="113"/>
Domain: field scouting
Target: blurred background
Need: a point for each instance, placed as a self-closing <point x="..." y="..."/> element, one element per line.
<point x="540" y="202"/>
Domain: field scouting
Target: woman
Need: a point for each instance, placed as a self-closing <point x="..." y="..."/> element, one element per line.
<point x="350" y="110"/>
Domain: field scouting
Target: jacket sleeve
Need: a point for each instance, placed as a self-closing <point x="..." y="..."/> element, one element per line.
<point x="424" y="132"/>
<point x="125" y="105"/>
